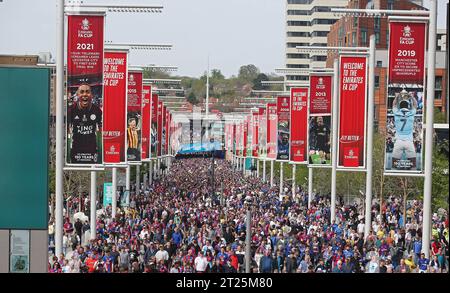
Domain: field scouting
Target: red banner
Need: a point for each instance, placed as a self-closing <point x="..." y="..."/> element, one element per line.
<point x="352" y="114"/>
<point x="159" y="126"/>
<point x="134" y="116"/>
<point x="167" y="128"/>
<point x="154" y="126"/>
<point x="114" y="107"/>
<point x="85" y="89"/>
<point x="272" y="119"/>
<point x="283" y="109"/>
<point x="320" y="98"/>
<point x="299" y="124"/>
<point x="255" y="134"/>
<point x="245" y="139"/>
<point x="146" y="121"/>
<point x="407" y="52"/>
<point x="262" y="132"/>
<point x="405" y="97"/>
<point x="319" y="121"/>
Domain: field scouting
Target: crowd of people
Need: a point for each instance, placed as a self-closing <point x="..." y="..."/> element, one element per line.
<point x="179" y="225"/>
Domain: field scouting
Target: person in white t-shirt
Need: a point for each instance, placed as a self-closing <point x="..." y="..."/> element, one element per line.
<point x="200" y="263"/>
<point x="161" y="254"/>
<point x="361" y="227"/>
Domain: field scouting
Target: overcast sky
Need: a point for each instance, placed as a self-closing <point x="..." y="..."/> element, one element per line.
<point x="232" y="32"/>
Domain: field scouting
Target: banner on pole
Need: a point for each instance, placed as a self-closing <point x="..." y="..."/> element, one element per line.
<point x="246" y="144"/>
<point x="299" y="125"/>
<point x="84" y="139"/>
<point x="283" y="109"/>
<point x="159" y="126"/>
<point x="146" y="121"/>
<point x="352" y="111"/>
<point x="405" y="98"/>
<point x="272" y="119"/>
<point x="134" y="116"/>
<point x="319" y="130"/>
<point x="114" y="107"/>
<point x="262" y="133"/>
<point x="255" y="134"/>
<point x="154" y="130"/>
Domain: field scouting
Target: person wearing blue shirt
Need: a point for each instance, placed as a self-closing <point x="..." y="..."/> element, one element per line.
<point x="177" y="237"/>
<point x="423" y="263"/>
<point x="404" y="108"/>
<point x="417" y="248"/>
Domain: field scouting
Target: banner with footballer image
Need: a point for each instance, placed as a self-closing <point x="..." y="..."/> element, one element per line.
<point x="114" y="107"/>
<point x="255" y="134"/>
<point x="283" y="129"/>
<point x="299" y="125"/>
<point x="154" y="127"/>
<point x="319" y="128"/>
<point x="146" y="121"/>
<point x="159" y="126"/>
<point x="134" y="116"/>
<point x="405" y="98"/>
<point x="352" y="111"/>
<point x="262" y="133"/>
<point x="272" y="118"/>
<point x="84" y="139"/>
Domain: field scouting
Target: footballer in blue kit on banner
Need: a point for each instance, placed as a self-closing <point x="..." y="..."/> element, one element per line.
<point x="405" y="99"/>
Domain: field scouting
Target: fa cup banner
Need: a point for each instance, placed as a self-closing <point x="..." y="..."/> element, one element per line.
<point x="134" y="116"/>
<point x="283" y="109"/>
<point x="114" y="107"/>
<point x="84" y="139"/>
<point x="159" y="126"/>
<point x="319" y="128"/>
<point x="262" y="133"/>
<point x="154" y="126"/>
<point x="255" y="135"/>
<point x="405" y="98"/>
<point x="352" y="111"/>
<point x="299" y="124"/>
<point x="272" y="119"/>
<point x="146" y="121"/>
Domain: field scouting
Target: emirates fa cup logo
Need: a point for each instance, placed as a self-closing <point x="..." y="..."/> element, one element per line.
<point x="85" y="24"/>
<point x="350" y="153"/>
<point x="131" y="77"/>
<point x="321" y="81"/>
<point x="407" y="31"/>
<point x="112" y="149"/>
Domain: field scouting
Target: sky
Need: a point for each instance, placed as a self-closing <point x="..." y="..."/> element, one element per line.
<point x="231" y="32"/>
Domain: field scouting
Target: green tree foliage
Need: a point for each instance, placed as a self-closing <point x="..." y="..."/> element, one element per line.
<point x="248" y="73"/>
<point x="257" y="85"/>
<point x="192" y="98"/>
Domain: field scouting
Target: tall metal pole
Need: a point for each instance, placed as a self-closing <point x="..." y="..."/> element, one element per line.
<point x="294" y="169"/>
<point x="429" y="130"/>
<point x="127" y="177"/>
<point x="114" y="193"/>
<point x="310" y="186"/>
<point x="150" y="174"/>
<point x="248" y="240"/>
<point x="243" y="166"/>
<point x="335" y="138"/>
<point x="370" y="114"/>
<point x="59" y="128"/>
<point x="281" y="180"/>
<point x="257" y="168"/>
<point x="264" y="171"/>
<point x="271" y="173"/>
<point x="138" y="179"/>
<point x="93" y="220"/>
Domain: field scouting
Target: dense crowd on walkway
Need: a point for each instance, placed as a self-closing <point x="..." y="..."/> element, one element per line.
<point x="178" y="226"/>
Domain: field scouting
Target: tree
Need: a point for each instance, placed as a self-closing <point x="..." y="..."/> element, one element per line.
<point x="248" y="73"/>
<point x="192" y="98"/>
<point x="257" y="85"/>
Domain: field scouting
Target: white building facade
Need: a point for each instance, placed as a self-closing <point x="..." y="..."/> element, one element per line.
<point x="307" y="24"/>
